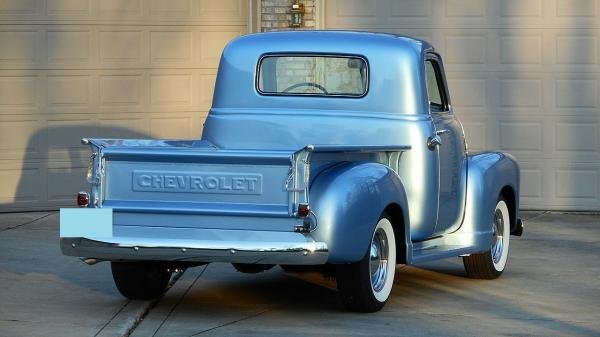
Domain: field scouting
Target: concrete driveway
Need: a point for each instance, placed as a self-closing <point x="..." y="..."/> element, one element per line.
<point x="551" y="288"/>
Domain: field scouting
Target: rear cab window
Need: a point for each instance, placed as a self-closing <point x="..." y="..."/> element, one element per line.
<point x="314" y="75"/>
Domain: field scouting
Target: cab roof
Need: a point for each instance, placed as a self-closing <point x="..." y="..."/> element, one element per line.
<point x="395" y="70"/>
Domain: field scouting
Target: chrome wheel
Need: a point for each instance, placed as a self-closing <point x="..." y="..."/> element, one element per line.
<point x="498" y="246"/>
<point x="378" y="261"/>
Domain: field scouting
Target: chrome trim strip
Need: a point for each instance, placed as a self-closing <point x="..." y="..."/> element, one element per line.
<point x="124" y="248"/>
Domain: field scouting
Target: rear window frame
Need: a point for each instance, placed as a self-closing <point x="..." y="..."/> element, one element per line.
<point x="305" y="54"/>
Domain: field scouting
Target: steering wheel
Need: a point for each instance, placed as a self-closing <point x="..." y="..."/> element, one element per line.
<point x="306" y="84"/>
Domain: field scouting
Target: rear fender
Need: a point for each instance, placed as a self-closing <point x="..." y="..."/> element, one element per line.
<point x="488" y="174"/>
<point x="348" y="200"/>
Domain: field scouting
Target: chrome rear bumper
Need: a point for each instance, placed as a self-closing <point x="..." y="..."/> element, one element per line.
<point x="242" y="251"/>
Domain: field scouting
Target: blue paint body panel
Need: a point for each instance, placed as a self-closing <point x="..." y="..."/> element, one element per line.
<point x="261" y="156"/>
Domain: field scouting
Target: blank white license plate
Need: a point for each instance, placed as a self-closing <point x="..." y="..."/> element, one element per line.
<point x="86" y="222"/>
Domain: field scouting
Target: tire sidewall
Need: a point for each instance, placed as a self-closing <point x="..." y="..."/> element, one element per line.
<point x="383" y="295"/>
<point x="503" y="207"/>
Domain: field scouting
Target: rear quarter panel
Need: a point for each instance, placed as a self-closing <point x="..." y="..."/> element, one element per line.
<point x="348" y="200"/>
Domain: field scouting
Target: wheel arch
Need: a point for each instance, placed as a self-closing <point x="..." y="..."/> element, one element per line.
<point x="508" y="194"/>
<point x="490" y="176"/>
<point x="348" y="200"/>
<point x="396" y="215"/>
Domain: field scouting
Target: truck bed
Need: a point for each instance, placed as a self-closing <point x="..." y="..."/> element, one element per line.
<point x="189" y="200"/>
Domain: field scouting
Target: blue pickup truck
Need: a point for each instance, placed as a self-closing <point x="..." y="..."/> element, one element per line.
<point x="333" y="151"/>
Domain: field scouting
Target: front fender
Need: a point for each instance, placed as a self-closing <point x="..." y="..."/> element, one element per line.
<point x="488" y="174"/>
<point x="348" y="200"/>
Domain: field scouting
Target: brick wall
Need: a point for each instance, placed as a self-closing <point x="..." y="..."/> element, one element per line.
<point x="275" y="15"/>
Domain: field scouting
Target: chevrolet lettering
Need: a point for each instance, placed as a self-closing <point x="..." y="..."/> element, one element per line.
<point x="331" y="151"/>
<point x="197" y="182"/>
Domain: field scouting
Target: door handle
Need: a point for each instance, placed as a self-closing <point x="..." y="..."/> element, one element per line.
<point x="433" y="142"/>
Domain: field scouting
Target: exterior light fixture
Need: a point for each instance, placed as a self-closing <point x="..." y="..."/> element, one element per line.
<point x="297" y="14"/>
<point x="83" y="199"/>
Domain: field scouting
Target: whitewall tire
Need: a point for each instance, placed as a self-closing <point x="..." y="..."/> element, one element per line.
<point x="491" y="264"/>
<point x="366" y="285"/>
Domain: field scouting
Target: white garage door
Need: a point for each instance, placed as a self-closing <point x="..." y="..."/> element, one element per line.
<point x="523" y="78"/>
<point x="106" y="68"/>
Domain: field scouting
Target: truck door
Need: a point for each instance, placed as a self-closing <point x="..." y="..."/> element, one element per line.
<point x="448" y="141"/>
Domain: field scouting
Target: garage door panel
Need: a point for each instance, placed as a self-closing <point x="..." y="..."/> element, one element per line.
<point x="114" y="47"/>
<point x="523" y="77"/>
<point x="21" y="182"/>
<point x="519" y="93"/>
<point x="215" y="10"/>
<point x="228" y="11"/>
<point x="411" y="9"/>
<point x="171" y="127"/>
<point x="68" y="91"/>
<point x="64" y="135"/>
<point x="520" y="47"/>
<point x="20" y="7"/>
<point x="120" y="8"/>
<point x="520" y="8"/>
<point x="466" y="48"/>
<point x="121" y="90"/>
<point x="18" y="135"/>
<point x="576" y="183"/>
<point x="576" y="93"/>
<point x="521" y="136"/>
<point x="165" y="8"/>
<point x="576" y="8"/>
<point x="18" y="92"/>
<point x="122" y="126"/>
<point x="577" y="138"/>
<point x="68" y="47"/>
<point x="576" y="48"/>
<point x="531" y="183"/>
<point x="23" y="50"/>
<point x="171" y="89"/>
<point x="172" y="45"/>
<point x="207" y="88"/>
<point x="212" y="43"/>
<point x="476" y="131"/>
<point x="418" y="33"/>
<point x="111" y="69"/>
<point x="120" y="46"/>
<point x="65" y="8"/>
<point x="64" y="180"/>
<point x="468" y="92"/>
<point x="465" y="9"/>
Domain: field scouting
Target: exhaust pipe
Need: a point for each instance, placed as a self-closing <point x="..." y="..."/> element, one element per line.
<point x="89" y="261"/>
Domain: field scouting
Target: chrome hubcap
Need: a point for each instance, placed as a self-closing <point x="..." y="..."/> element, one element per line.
<point x="499" y="234"/>
<point x="378" y="265"/>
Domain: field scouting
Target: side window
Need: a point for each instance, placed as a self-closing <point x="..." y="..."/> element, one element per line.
<point x="435" y="90"/>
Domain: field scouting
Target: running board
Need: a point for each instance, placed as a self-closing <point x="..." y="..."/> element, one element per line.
<point x="431" y="253"/>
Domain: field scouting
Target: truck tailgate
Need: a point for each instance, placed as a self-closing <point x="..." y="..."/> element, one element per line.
<point x="196" y="187"/>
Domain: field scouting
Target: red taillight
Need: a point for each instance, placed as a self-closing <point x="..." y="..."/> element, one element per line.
<point x="303" y="210"/>
<point x="83" y="199"/>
